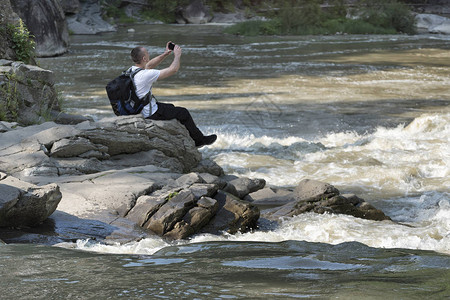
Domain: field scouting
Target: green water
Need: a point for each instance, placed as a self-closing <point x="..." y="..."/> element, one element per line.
<point x="226" y="270"/>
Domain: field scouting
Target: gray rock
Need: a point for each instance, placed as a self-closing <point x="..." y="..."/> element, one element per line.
<point x="5" y="62"/>
<point x="208" y="203"/>
<point x="89" y="19"/>
<point x="23" y="204"/>
<point x="313" y="190"/>
<point x="433" y="23"/>
<point x="109" y="191"/>
<point x="188" y="180"/>
<point x="194" y="13"/>
<point x="114" y="143"/>
<point x="72" y="147"/>
<point x="6" y="12"/>
<point x="210" y="167"/>
<point x="45" y="19"/>
<point x="70" y="6"/>
<point x="32" y="72"/>
<point x="145" y="207"/>
<point x="233" y="215"/>
<point x="180" y="209"/>
<point x="9" y="196"/>
<point x="171" y="213"/>
<point x="188" y="209"/>
<point x="270" y="197"/>
<point x="33" y="87"/>
<point x="3" y="127"/>
<point x="122" y="171"/>
<point x="209" y="178"/>
<point x="195" y="219"/>
<point x="242" y="186"/>
<point x="7" y="18"/>
<point x="320" y="197"/>
<point x="200" y="190"/>
<point x="63" y="118"/>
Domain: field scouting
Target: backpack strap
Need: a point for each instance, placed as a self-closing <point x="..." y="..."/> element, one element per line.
<point x="148" y="96"/>
<point x="145" y="100"/>
<point x="132" y="74"/>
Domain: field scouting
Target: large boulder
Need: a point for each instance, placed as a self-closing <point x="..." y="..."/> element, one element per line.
<point x="194" y="13"/>
<point x="178" y="214"/>
<point x="189" y="206"/>
<point x="7" y="17"/>
<point x="433" y="23"/>
<point x="27" y="91"/>
<point x="50" y="149"/>
<point x="45" y="20"/>
<point x="23" y="204"/>
<point x="6" y="12"/>
<point x="70" y="6"/>
<point x="88" y="19"/>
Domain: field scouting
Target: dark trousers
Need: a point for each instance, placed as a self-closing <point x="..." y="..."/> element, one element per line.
<point x="167" y="111"/>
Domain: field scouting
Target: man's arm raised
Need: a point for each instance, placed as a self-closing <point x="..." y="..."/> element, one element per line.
<point x="154" y="62"/>
<point x="174" y="66"/>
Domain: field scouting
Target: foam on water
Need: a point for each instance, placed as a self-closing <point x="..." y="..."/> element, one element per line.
<point x="398" y="161"/>
<point x="146" y="246"/>
<point x="335" y="229"/>
<point x="428" y="229"/>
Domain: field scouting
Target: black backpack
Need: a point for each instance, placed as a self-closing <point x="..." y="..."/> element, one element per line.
<point x="122" y="94"/>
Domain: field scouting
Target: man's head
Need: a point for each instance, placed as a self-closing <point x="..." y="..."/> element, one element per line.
<point x="138" y="54"/>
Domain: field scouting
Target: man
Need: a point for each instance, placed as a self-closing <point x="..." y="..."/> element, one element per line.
<point x="158" y="110"/>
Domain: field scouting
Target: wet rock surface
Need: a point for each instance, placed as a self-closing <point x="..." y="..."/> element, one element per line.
<point x="320" y="197"/>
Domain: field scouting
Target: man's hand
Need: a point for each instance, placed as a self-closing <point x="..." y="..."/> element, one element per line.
<point x="177" y="51"/>
<point x="168" y="51"/>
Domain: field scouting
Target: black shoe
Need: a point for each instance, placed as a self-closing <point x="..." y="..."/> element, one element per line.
<point x="207" y="140"/>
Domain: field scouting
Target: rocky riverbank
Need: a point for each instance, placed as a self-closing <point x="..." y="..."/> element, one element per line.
<point x="51" y="21"/>
<point x="124" y="178"/>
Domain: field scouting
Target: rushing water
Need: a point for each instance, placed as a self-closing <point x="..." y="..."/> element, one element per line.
<point x="368" y="114"/>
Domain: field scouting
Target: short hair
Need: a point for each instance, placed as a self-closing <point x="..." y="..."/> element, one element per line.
<point x="137" y="54"/>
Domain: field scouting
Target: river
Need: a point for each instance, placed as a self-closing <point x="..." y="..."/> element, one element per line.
<point x="368" y="114"/>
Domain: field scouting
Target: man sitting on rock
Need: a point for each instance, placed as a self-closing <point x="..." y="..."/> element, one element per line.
<point x="158" y="110"/>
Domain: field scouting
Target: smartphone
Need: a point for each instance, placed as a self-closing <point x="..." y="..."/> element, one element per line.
<point x="171" y="46"/>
